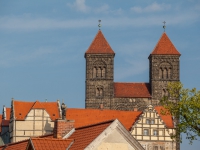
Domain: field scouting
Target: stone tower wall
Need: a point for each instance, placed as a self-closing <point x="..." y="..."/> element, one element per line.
<point x="163" y="69"/>
<point x="99" y="80"/>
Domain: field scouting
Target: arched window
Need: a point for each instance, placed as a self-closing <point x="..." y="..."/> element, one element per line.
<point x="160" y="73"/>
<point x="165" y="71"/>
<point x="103" y="72"/>
<point x="94" y="72"/>
<point x="99" y="69"/>
<point x="99" y="92"/>
<point x="99" y="72"/>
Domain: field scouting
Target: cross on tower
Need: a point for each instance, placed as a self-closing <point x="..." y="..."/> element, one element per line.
<point x="164" y="26"/>
<point x="99" y="24"/>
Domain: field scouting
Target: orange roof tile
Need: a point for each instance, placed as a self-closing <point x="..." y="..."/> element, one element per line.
<point x="21" y="109"/>
<point x="8" y="113"/>
<point x="83" y="136"/>
<point x="165" y="47"/>
<point x="50" y="143"/>
<point x="15" y="146"/>
<point x="37" y="105"/>
<point x="5" y="123"/>
<point x="131" y="90"/>
<point x="85" y="117"/>
<point x="167" y="119"/>
<point x="99" y="45"/>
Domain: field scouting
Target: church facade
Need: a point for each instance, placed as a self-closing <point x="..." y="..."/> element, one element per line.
<point x="103" y="92"/>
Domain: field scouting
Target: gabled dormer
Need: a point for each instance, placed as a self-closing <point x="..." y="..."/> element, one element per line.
<point x="153" y="129"/>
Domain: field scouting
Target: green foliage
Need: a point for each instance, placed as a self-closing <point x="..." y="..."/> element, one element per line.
<point x="184" y="105"/>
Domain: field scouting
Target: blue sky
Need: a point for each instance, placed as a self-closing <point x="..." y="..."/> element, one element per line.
<point x="42" y="44"/>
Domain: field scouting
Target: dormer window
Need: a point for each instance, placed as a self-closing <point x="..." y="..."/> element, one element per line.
<point x="155" y="132"/>
<point x="150" y="121"/>
<point x="146" y="131"/>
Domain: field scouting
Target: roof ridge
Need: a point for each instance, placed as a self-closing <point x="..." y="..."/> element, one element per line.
<point x="54" y="139"/>
<point x="37" y="105"/>
<point x="96" y="124"/>
<point x="99" y="45"/>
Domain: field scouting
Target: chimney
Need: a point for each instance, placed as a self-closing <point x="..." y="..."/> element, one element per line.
<point x="62" y="127"/>
<point x="101" y="106"/>
<point x="135" y="108"/>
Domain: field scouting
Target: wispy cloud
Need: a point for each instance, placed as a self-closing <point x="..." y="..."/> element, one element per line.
<point x="79" y="5"/>
<point x="151" y="8"/>
<point x="24" y="23"/>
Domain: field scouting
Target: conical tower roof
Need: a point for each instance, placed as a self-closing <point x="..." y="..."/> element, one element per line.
<point x="165" y="47"/>
<point x="99" y="45"/>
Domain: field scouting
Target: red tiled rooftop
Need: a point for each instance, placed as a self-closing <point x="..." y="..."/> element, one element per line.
<point x="15" y="146"/>
<point x="167" y="119"/>
<point x="5" y="123"/>
<point x="88" y="133"/>
<point x="85" y="117"/>
<point x="50" y="143"/>
<point x="165" y="47"/>
<point x="21" y="108"/>
<point x="132" y="90"/>
<point x="8" y="113"/>
<point x="99" y="45"/>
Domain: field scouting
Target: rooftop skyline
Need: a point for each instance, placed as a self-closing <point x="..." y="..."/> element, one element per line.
<point x="42" y="44"/>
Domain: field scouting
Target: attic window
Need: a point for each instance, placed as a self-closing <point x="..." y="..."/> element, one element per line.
<point x="53" y="114"/>
<point x="20" y="114"/>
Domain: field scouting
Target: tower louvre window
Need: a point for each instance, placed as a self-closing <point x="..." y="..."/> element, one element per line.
<point x="99" y="70"/>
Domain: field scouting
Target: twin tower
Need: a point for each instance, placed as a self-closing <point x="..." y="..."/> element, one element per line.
<point x="102" y="91"/>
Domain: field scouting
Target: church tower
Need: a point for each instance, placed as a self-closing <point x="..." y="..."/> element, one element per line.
<point x="99" y="73"/>
<point x="163" y="67"/>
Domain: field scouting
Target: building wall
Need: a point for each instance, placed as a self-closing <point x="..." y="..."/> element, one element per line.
<point x="37" y="123"/>
<point x="151" y="131"/>
<point x="99" y="80"/>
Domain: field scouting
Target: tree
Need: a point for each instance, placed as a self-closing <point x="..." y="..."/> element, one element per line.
<point x="184" y="105"/>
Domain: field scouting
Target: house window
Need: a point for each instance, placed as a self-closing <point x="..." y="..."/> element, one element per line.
<point x="146" y="132"/>
<point x="155" y="132"/>
<point x="150" y="121"/>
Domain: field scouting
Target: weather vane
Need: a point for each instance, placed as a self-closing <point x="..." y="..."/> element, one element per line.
<point x="99" y="24"/>
<point x="164" y="26"/>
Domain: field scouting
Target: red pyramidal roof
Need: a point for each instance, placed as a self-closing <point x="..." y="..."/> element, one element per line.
<point x="99" y="45"/>
<point x="165" y="47"/>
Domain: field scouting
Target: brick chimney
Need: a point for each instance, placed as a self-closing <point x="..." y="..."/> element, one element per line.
<point x="62" y="127"/>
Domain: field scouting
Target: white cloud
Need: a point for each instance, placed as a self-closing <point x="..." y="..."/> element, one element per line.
<point x="80" y="5"/>
<point x="151" y="8"/>
<point x="24" y="23"/>
<point x="102" y="9"/>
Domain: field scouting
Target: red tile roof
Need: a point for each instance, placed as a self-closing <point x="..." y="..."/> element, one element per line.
<point x="85" y="117"/>
<point x="21" y="109"/>
<point x="167" y="119"/>
<point x="15" y="146"/>
<point x="83" y="136"/>
<point x="50" y="143"/>
<point x="99" y="45"/>
<point x="165" y="47"/>
<point x="135" y="90"/>
<point x="7" y="113"/>
<point x="5" y="123"/>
